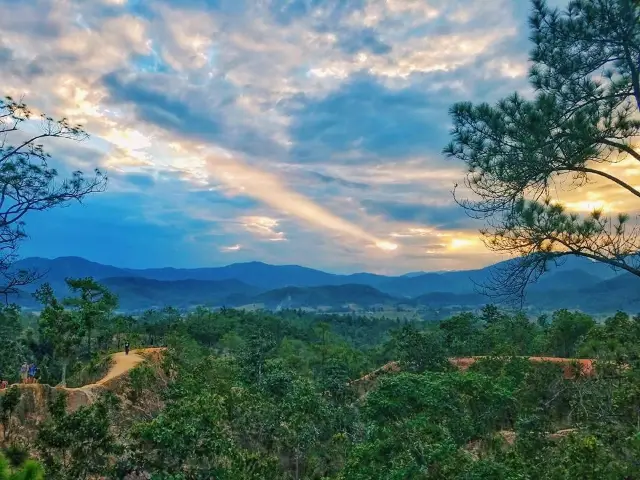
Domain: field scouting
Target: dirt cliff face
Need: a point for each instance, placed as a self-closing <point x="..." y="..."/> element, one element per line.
<point x="571" y="368"/>
<point x="35" y="398"/>
<point x="33" y="406"/>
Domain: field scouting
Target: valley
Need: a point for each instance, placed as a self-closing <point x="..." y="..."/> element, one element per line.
<point x="577" y="284"/>
<point x="412" y="229"/>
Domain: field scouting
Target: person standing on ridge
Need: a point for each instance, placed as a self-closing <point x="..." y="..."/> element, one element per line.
<point x="32" y="373"/>
<point x="24" y="370"/>
<point x="126" y="348"/>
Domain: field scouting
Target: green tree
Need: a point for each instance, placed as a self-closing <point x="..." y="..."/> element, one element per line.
<point x="323" y="330"/>
<point x="78" y="445"/>
<point x="13" y="352"/>
<point x="419" y="351"/>
<point x="140" y="379"/>
<point x="93" y="305"/>
<point x="567" y="331"/>
<point x="122" y="325"/>
<point x="28" y="183"/>
<point x="511" y="335"/>
<point x="29" y="470"/>
<point x="617" y="339"/>
<point x="259" y="346"/>
<point x="62" y="328"/>
<point x="417" y="424"/>
<point x="461" y="334"/>
<point x="583" y="118"/>
<point x="191" y="437"/>
<point x="8" y="404"/>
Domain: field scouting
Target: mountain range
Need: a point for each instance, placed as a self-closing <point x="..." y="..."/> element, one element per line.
<point x="578" y="283"/>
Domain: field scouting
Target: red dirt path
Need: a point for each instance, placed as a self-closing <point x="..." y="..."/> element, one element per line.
<point x="584" y="364"/>
<point x="463" y="363"/>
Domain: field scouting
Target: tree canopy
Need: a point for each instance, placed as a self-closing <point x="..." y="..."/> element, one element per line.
<point x="29" y="183"/>
<point x="292" y="395"/>
<point x="582" y="120"/>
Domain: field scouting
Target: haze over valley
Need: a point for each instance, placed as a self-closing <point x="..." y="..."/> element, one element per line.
<point x="576" y="283"/>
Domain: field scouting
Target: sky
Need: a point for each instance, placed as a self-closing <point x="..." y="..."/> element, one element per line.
<point x="286" y="131"/>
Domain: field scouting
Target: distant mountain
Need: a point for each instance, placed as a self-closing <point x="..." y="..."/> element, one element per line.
<point x="562" y="280"/>
<point x="450" y="282"/>
<point x="334" y="296"/>
<point x="446" y="299"/>
<point x="626" y="284"/>
<point x="135" y="293"/>
<point x="413" y="274"/>
<point x="576" y="283"/>
<point x="573" y="290"/>
<point x="257" y="274"/>
<point x="57" y="269"/>
<point x="570" y="273"/>
<point x="619" y="293"/>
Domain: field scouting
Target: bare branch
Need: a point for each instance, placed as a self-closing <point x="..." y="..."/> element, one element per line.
<point x="585" y="71"/>
<point x="28" y="183"/>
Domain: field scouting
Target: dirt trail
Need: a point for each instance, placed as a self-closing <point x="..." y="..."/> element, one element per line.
<point x="33" y="406"/>
<point x="585" y="365"/>
<point x="122" y="363"/>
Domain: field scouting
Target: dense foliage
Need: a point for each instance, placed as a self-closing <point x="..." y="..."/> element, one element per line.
<point x="262" y="395"/>
<point x="258" y="395"/>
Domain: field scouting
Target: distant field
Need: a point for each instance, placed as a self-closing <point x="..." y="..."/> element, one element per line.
<point x="252" y="307"/>
<point x="412" y="315"/>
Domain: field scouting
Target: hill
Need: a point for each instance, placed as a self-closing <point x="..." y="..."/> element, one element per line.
<point x="576" y="283"/>
<point x="258" y="274"/>
<point x="136" y="293"/>
<point x="334" y="296"/>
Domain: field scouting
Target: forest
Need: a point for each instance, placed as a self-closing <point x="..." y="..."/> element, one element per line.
<point x="217" y="393"/>
<point x="272" y="396"/>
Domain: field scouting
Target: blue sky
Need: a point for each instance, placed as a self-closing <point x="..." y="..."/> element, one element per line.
<point x="286" y="131"/>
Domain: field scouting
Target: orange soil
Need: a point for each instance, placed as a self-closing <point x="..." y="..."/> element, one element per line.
<point x="463" y="363"/>
<point x="585" y="365"/>
<point x="122" y="364"/>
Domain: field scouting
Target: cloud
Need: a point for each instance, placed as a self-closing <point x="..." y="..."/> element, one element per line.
<point x="267" y="188"/>
<point x="286" y="12"/>
<point x="446" y="217"/>
<point x="364" y="115"/>
<point x="263" y="227"/>
<point x="328" y="179"/>
<point x="364" y="40"/>
<point x="208" y="113"/>
<point x="228" y="123"/>
<point x="231" y="248"/>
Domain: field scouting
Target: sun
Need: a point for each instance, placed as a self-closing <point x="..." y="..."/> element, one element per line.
<point x="460" y="243"/>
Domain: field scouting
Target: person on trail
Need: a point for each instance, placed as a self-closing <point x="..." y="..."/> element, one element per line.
<point x="126" y="348"/>
<point x="32" y="373"/>
<point x="3" y="384"/>
<point x="24" y="370"/>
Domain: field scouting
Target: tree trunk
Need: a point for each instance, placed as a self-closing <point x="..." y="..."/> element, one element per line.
<point x="89" y="341"/>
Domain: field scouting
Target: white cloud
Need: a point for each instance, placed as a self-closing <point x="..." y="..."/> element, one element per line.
<point x="243" y="71"/>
